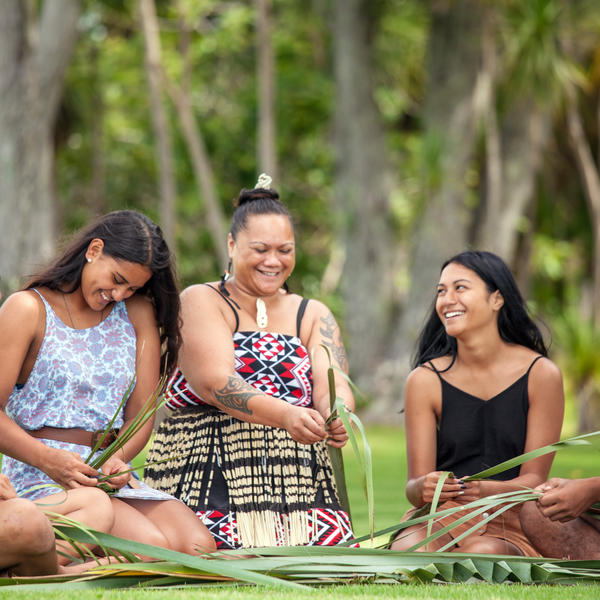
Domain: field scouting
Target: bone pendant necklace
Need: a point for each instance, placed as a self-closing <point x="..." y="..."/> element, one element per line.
<point x="261" y="314"/>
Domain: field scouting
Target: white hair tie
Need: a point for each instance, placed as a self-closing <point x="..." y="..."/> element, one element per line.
<point x="264" y="182"/>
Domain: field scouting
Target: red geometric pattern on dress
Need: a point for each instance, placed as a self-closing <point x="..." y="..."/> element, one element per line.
<point x="331" y="527"/>
<point x="268" y="347"/>
<point x="286" y="373"/>
<point x="245" y="365"/>
<point x="289" y="376"/>
<point x="222" y="526"/>
<point x="303" y="375"/>
<point x="179" y="393"/>
<point x="265" y="385"/>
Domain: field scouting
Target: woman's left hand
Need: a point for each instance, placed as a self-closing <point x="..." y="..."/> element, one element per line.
<point x="337" y="436"/>
<point x="472" y="491"/>
<point x="115" y="465"/>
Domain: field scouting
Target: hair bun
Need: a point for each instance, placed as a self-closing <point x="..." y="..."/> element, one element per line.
<point x="264" y="182"/>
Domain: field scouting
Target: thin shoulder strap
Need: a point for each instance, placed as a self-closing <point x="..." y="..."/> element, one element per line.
<point x="231" y="303"/>
<point x="434" y="370"/>
<point x="45" y="302"/>
<point x="533" y="363"/>
<point x="300" y="314"/>
<point x="38" y="293"/>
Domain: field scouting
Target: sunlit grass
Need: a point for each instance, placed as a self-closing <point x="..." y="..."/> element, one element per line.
<point x="412" y="591"/>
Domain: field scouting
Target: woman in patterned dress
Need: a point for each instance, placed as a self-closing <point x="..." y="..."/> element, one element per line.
<point x="71" y="342"/>
<point x="250" y="398"/>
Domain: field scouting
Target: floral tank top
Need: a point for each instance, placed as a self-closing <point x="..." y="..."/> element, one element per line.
<point x="79" y="376"/>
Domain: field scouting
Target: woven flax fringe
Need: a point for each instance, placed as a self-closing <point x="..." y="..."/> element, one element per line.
<point x="270" y="478"/>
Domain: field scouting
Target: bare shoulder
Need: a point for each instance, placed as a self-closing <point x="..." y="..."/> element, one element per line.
<point x="22" y="318"/>
<point x="422" y="378"/>
<point x="319" y="320"/>
<point x="200" y="293"/>
<point x="140" y="310"/>
<point x="205" y="309"/>
<point x="544" y="371"/>
<point x="320" y="317"/>
<point x="24" y="305"/>
<point x="316" y="308"/>
<point x="422" y="389"/>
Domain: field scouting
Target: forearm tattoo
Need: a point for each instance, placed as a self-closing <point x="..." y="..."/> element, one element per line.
<point x="332" y="338"/>
<point x="236" y="394"/>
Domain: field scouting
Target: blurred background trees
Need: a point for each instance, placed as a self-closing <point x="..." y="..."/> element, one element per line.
<point x="399" y="132"/>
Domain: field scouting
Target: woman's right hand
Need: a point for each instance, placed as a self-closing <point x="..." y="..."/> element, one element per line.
<point x="68" y="468"/>
<point x="451" y="489"/>
<point x="305" y="425"/>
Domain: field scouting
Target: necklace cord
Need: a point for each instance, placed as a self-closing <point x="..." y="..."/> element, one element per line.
<point x="71" y="316"/>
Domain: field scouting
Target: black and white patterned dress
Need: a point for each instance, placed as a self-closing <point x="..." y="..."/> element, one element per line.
<point x="252" y="485"/>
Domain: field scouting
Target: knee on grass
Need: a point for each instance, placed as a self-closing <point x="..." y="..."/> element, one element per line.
<point x="532" y="520"/>
<point x="28" y="528"/>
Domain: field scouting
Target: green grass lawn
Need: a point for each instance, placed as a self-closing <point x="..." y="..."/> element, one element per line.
<point x="383" y="592"/>
<point x="389" y="474"/>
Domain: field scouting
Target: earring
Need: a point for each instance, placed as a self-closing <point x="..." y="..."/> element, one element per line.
<point x="227" y="274"/>
<point x="89" y="259"/>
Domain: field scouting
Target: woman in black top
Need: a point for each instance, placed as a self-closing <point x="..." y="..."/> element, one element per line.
<point x="482" y="392"/>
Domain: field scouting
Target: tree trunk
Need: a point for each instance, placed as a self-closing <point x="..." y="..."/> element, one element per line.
<point x="524" y="135"/>
<point x="96" y="198"/>
<point x="454" y="58"/>
<point x="362" y="192"/>
<point x="34" y="54"/>
<point x="486" y="101"/>
<point x="267" y="144"/>
<point x="587" y="411"/>
<point x="591" y="184"/>
<point x="160" y="121"/>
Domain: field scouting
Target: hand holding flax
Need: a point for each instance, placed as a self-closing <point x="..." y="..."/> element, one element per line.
<point x="452" y="488"/>
<point x="566" y="499"/>
<point x="337" y="436"/>
<point x="114" y="466"/>
<point x="305" y="425"/>
<point x="68" y="469"/>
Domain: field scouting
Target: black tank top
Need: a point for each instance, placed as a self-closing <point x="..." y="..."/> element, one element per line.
<point x="475" y="434"/>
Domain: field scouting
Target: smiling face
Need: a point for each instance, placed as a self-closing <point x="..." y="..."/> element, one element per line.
<point x="105" y="279"/>
<point x="464" y="302"/>
<point x="263" y="254"/>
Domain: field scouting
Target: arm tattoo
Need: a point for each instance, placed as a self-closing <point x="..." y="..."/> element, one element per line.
<point x="332" y="338"/>
<point x="235" y="394"/>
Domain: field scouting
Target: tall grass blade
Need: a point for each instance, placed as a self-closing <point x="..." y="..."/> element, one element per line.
<point x="335" y="454"/>
<point x="338" y="409"/>
<point x="366" y="463"/>
<point x="150" y="407"/>
<point x="434" y="502"/>
<point x="204" y="564"/>
<point x="311" y="566"/>
<point x="519" y="460"/>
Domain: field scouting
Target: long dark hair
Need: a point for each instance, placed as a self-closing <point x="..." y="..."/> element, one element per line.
<point x="131" y="236"/>
<point x="515" y="326"/>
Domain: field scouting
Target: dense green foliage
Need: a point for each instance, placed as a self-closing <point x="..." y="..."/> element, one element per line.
<point x="544" y="50"/>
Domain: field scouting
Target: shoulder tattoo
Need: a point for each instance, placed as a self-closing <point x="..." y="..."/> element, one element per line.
<point x="235" y="394"/>
<point x="332" y="338"/>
